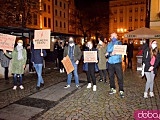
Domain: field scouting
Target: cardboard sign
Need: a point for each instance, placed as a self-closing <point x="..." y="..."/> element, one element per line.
<point x="90" y="56"/>
<point x="67" y="64"/>
<point x="7" y="42"/>
<point x="120" y="49"/>
<point x="41" y="39"/>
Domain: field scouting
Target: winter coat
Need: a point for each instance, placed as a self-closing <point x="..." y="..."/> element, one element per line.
<point x="4" y="60"/>
<point x="85" y="65"/>
<point x="130" y="50"/>
<point x="18" y="65"/>
<point x="147" y="58"/>
<point x="36" y="57"/>
<point x="77" y="52"/>
<point x="115" y="58"/>
<point x="101" y="57"/>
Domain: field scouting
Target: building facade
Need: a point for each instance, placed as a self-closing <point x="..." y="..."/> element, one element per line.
<point x="126" y="15"/>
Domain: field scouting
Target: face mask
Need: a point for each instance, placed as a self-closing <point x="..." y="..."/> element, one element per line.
<point x="154" y="46"/>
<point x="71" y="44"/>
<point x="100" y="42"/>
<point x="114" y="39"/>
<point x="19" y="44"/>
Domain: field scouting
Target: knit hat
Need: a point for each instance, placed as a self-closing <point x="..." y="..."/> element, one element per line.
<point x="20" y="41"/>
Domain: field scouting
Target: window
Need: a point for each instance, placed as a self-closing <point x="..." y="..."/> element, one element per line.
<point x="56" y="23"/>
<point x="115" y="20"/>
<point x="29" y="19"/>
<point x="64" y="25"/>
<point x="136" y="9"/>
<point x="60" y="24"/>
<point x="130" y="19"/>
<point x="141" y="18"/>
<point x="60" y="13"/>
<point x="60" y="4"/>
<point x="121" y="11"/>
<point x="142" y="9"/>
<point x="130" y="10"/>
<point x="49" y="0"/>
<point x="64" y="6"/>
<point x="49" y="22"/>
<point x="45" y="22"/>
<point x="44" y="7"/>
<point x="121" y="19"/>
<point x="136" y="19"/>
<point x="56" y="12"/>
<point x="49" y="10"/>
<point x="115" y="12"/>
<point x="35" y="19"/>
<point x="64" y="15"/>
<point x="55" y="2"/>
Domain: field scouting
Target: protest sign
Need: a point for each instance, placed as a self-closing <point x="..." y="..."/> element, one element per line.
<point x="120" y="49"/>
<point x="41" y="39"/>
<point x="7" y="42"/>
<point x="90" y="56"/>
<point x="67" y="64"/>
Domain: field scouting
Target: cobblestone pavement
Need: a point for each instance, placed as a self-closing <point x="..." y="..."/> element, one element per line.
<point x="82" y="104"/>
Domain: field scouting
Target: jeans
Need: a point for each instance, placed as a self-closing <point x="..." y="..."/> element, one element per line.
<point x="69" y="77"/>
<point x="150" y="81"/>
<point x="15" y="76"/>
<point x="103" y="74"/>
<point x="38" y="68"/>
<point x="112" y="69"/>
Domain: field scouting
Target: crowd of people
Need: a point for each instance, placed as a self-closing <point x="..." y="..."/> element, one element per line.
<point x="107" y="63"/>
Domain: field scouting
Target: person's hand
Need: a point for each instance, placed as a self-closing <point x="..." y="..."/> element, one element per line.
<point x="4" y="51"/>
<point x="24" y="66"/>
<point x="77" y="62"/>
<point x="113" y="53"/>
<point x="106" y="54"/>
<point x="41" y="54"/>
<point x="96" y="61"/>
<point x="151" y="68"/>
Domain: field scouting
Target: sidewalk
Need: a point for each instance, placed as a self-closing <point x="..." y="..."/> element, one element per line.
<point x="53" y="102"/>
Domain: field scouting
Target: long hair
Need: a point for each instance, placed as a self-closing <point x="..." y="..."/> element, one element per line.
<point x="153" y="52"/>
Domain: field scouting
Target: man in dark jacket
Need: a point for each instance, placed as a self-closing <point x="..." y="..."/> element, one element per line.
<point x="74" y="53"/>
<point x="37" y="57"/>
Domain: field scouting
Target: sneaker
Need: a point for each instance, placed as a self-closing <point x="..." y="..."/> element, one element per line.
<point x="100" y="80"/>
<point x="21" y="87"/>
<point x="145" y="95"/>
<point x="112" y="91"/>
<point x="15" y="87"/>
<point x="67" y="86"/>
<point x="63" y="70"/>
<point x="78" y="86"/>
<point x="151" y="94"/>
<point x="60" y="70"/>
<point x="37" y="88"/>
<point x="121" y="94"/>
<point x="94" y="87"/>
<point x="42" y="85"/>
<point x="89" y="85"/>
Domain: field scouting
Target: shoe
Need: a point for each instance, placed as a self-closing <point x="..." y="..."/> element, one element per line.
<point x="121" y="94"/>
<point x="94" y="87"/>
<point x="60" y="70"/>
<point x="15" y="87"/>
<point x="37" y="88"/>
<point x="151" y="94"/>
<point x="105" y="80"/>
<point x="100" y="80"/>
<point x="145" y="95"/>
<point x="78" y="86"/>
<point x="112" y="91"/>
<point x="89" y="85"/>
<point x="21" y="87"/>
<point x="67" y="86"/>
<point x="42" y="85"/>
<point x="63" y="70"/>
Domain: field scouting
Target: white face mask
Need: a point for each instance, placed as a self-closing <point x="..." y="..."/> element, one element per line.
<point x="71" y="44"/>
<point x="154" y="46"/>
<point x="90" y="46"/>
<point x="100" y="42"/>
<point x="19" y="44"/>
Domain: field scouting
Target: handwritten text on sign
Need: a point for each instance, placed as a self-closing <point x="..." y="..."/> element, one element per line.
<point x="42" y="39"/>
<point x="7" y="42"/>
<point x="120" y="49"/>
<point x="90" y="56"/>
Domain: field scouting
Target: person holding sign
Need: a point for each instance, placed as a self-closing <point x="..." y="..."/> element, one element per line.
<point x="37" y="56"/>
<point x="19" y="58"/>
<point x="115" y="65"/>
<point x="91" y="66"/>
<point x="74" y="53"/>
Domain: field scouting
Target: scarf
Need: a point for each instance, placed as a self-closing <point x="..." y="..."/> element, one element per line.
<point x="19" y="49"/>
<point x="152" y="60"/>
